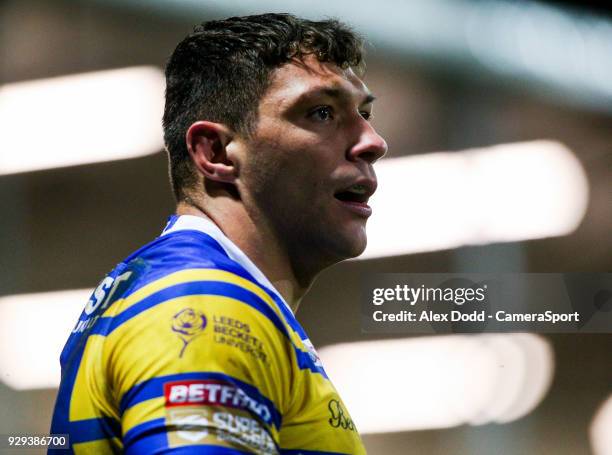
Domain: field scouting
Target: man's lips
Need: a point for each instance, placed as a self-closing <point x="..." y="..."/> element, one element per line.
<point x="355" y="195"/>
<point x="358" y="190"/>
<point x="359" y="208"/>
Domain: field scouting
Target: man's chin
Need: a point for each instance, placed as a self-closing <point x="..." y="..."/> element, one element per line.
<point x="353" y="245"/>
<point x="359" y="250"/>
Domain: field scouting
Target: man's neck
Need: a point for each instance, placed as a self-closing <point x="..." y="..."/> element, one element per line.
<point x="256" y="241"/>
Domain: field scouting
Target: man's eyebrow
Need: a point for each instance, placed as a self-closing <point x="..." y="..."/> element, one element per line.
<point x="333" y="93"/>
<point x="369" y="98"/>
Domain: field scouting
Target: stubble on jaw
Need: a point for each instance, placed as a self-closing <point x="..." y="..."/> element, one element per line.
<point x="293" y="209"/>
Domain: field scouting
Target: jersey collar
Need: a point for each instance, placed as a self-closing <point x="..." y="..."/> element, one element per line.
<point x="208" y="227"/>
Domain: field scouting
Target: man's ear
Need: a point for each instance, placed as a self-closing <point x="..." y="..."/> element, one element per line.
<point x="206" y="142"/>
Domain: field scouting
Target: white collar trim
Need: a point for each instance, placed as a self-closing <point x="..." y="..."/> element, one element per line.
<point x="207" y="226"/>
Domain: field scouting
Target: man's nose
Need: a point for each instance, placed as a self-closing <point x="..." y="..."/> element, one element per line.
<point x="369" y="147"/>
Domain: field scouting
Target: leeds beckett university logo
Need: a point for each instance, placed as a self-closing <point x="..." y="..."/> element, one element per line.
<point x="188" y="324"/>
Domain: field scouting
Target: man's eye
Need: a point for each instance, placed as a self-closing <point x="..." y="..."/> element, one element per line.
<point x="366" y="115"/>
<point x="322" y="113"/>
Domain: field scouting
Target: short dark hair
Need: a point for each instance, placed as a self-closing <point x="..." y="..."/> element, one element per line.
<point x="222" y="69"/>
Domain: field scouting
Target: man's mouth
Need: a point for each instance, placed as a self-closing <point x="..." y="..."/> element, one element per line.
<point x="355" y="193"/>
<point x="355" y="197"/>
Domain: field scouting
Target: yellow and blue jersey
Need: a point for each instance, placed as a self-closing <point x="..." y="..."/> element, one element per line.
<point x="186" y="347"/>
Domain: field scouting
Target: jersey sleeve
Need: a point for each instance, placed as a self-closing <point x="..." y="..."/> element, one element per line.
<point x="199" y="362"/>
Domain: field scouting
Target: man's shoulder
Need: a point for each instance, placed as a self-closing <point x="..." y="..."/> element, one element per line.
<point x="178" y="252"/>
<point x="181" y="249"/>
<point x="177" y="278"/>
<point x="188" y="263"/>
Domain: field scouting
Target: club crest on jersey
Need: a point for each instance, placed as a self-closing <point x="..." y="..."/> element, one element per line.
<point x="191" y="425"/>
<point x="188" y="324"/>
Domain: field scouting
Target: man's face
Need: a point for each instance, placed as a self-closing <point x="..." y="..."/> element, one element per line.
<point x="307" y="171"/>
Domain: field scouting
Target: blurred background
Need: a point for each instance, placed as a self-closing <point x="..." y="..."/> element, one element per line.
<point x="497" y="115"/>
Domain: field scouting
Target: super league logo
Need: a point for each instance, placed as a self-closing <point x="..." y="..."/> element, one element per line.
<point x="188" y="324"/>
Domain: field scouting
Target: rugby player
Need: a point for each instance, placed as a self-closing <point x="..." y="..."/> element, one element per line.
<point x="190" y="345"/>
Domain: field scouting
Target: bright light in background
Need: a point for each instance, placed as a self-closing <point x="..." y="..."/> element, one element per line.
<point x="83" y="118"/>
<point x="503" y="193"/>
<point x="439" y="382"/>
<point x="33" y="331"/>
<point x="552" y="50"/>
<point x="524" y="369"/>
<point x="599" y="432"/>
<point x="544" y="43"/>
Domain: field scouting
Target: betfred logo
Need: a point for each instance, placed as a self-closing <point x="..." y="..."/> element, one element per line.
<point x="213" y="393"/>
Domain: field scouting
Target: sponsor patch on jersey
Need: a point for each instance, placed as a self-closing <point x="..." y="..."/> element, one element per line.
<point x="239" y="335"/>
<point x="191" y="424"/>
<point x="339" y="418"/>
<point x="243" y="431"/>
<point x="213" y="393"/>
<point x="221" y="427"/>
